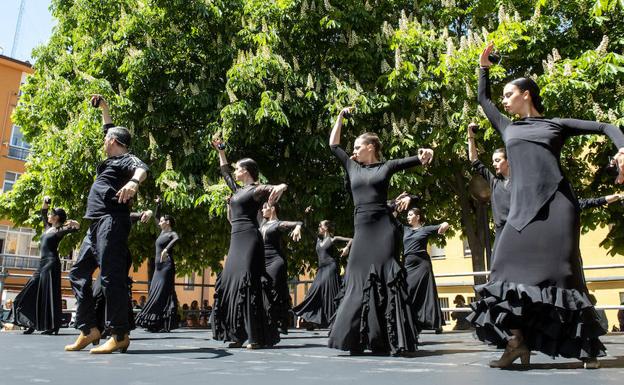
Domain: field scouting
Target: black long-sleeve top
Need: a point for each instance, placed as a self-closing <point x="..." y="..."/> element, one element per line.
<point x="272" y="234"/>
<point x="166" y="239"/>
<point x="245" y="202"/>
<point x="369" y="183"/>
<point x="588" y="203"/>
<point x="500" y="193"/>
<point x="533" y="150"/>
<point x="112" y="174"/>
<point x="50" y="239"/>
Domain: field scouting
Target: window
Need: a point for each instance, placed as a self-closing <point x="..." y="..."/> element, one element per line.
<point x="18" y="241"/>
<point x="444" y="303"/>
<point x="9" y="180"/>
<point x="18" y="148"/>
<point x="189" y="282"/>
<point x="437" y="252"/>
<point x="621" y="297"/>
<point x="467" y="251"/>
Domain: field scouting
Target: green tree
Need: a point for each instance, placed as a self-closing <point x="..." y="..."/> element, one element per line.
<point x="270" y="76"/>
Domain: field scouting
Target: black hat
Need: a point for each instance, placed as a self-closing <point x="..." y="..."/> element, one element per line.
<point x="61" y="214"/>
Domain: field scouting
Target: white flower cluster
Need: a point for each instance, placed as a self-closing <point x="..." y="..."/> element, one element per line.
<point x="604" y="44"/>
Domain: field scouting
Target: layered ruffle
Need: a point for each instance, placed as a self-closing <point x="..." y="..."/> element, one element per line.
<point x="321" y="300"/>
<point x="553" y="320"/>
<point x="240" y="307"/>
<point x="385" y="318"/>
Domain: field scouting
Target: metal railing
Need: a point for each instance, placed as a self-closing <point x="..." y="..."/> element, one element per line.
<point x="295" y="283"/>
<point x="24" y="262"/>
<point x="18" y="153"/>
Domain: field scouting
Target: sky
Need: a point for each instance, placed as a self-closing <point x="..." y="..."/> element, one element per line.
<point x="36" y="28"/>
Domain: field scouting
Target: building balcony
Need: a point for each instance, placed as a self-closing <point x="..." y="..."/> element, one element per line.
<point x="22" y="262"/>
<point x="18" y="153"/>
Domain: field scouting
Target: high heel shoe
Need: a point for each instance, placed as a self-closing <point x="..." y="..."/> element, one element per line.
<point x="591" y="363"/>
<point x="253" y="346"/>
<point x="28" y="331"/>
<point x="512" y="354"/>
<point x="51" y="331"/>
<point x="113" y="345"/>
<point x="83" y="340"/>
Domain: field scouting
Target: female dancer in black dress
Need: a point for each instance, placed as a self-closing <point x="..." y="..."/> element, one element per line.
<point x="536" y="298"/>
<point x="275" y="261"/>
<point x="239" y="313"/>
<point x="38" y="305"/>
<point x="373" y="312"/>
<point x="160" y="313"/>
<point x="319" y="305"/>
<point x="500" y="183"/>
<point x="421" y="287"/>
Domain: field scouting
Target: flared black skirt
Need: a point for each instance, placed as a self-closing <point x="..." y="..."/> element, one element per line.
<point x="537" y="286"/>
<point x="276" y="269"/>
<point x="160" y="312"/>
<point x="38" y="305"/>
<point x="319" y="304"/>
<point x="374" y="312"/>
<point x="241" y="312"/>
<point x="423" y="293"/>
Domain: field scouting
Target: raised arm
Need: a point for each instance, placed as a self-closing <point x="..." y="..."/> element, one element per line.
<point x="44" y="212"/>
<point x="224" y="166"/>
<point x="472" y="146"/>
<point x="498" y="120"/>
<point x="157" y="211"/>
<point x="98" y="101"/>
<point x="334" y="137"/>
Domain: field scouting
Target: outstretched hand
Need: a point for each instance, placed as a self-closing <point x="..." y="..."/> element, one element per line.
<point x="146" y="216"/>
<point x="295" y="235"/>
<point x="344" y="252"/>
<point x="425" y="155"/>
<point x="73" y="224"/>
<point x="402" y="202"/>
<point x="276" y="193"/>
<point x="484" y="61"/>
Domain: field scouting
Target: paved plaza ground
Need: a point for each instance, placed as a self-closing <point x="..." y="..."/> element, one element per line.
<point x="187" y="356"/>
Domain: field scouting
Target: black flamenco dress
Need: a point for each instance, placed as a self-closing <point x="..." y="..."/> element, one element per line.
<point x="38" y="305"/>
<point x="421" y="286"/>
<point x="374" y="312"/>
<point x="319" y="305"/>
<point x="536" y="282"/>
<point x="241" y="289"/>
<point x="160" y="312"/>
<point x="276" y="266"/>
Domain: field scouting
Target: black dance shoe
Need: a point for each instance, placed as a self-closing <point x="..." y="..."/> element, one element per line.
<point x="28" y="331"/>
<point x="51" y="331"/>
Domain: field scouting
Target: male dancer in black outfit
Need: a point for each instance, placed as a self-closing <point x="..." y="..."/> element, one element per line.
<point x="116" y="183"/>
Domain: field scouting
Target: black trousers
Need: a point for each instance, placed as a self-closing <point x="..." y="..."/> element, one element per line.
<point x="106" y="247"/>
